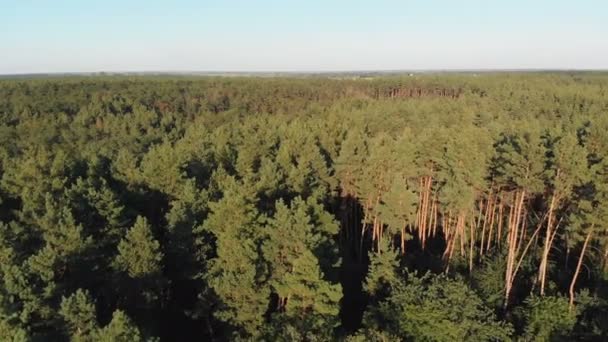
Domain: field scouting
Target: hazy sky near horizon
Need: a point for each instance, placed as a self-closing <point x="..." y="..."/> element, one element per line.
<point x="313" y="35"/>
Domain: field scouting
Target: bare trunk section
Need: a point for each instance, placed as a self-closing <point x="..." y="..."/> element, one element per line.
<point x="578" y="268"/>
<point x="485" y="224"/>
<point x="500" y="222"/>
<point x="363" y="228"/>
<point x="472" y="229"/>
<point x="514" y="235"/>
<point x="542" y="271"/>
<point x="425" y="219"/>
<point x="492" y="216"/>
<point x="403" y="232"/>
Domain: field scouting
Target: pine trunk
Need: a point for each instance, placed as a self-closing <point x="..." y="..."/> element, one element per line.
<point x="578" y="268"/>
<point x="542" y="272"/>
<point x="515" y="216"/>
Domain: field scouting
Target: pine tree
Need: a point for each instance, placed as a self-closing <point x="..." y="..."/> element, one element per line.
<point x="397" y="209"/>
<point x="519" y="165"/>
<point x="382" y="272"/>
<point x="235" y="275"/>
<point x="54" y="268"/>
<point x="120" y="329"/>
<point x="566" y="170"/>
<point x="295" y="274"/>
<point x="436" y="308"/>
<point x="15" y="290"/>
<point x="78" y="311"/>
<point x="139" y="254"/>
<point x="11" y="327"/>
<point x="548" y="318"/>
<point x="308" y="293"/>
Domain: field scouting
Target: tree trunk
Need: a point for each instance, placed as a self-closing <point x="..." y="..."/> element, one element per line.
<point x="419" y="209"/>
<point x="492" y="215"/>
<point x="515" y="213"/>
<point x="472" y="243"/>
<point x="363" y="226"/>
<point x="500" y="218"/>
<point x="403" y="229"/>
<point x="578" y="268"/>
<point x="485" y="223"/>
<point x="542" y="271"/>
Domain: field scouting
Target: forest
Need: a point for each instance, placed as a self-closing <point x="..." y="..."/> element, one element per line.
<point x="425" y="207"/>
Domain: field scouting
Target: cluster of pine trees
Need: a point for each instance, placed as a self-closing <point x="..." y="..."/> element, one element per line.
<point x="426" y="208"/>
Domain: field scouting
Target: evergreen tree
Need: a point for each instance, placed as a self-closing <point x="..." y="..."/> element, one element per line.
<point x="435" y="308"/>
<point x="548" y="318"/>
<point x="139" y="254"/>
<point x="78" y="311"/>
<point x="235" y="275"/>
<point x="120" y="329"/>
<point x="382" y="273"/>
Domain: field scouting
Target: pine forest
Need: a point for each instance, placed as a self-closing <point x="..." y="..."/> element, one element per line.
<point x="422" y="207"/>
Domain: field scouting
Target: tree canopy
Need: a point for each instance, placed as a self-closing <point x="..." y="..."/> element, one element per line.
<point x="431" y="207"/>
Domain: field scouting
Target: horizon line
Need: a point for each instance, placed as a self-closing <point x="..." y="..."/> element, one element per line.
<point x="301" y="72"/>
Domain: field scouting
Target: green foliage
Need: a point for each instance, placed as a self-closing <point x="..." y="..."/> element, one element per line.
<point x="139" y="253"/>
<point x="489" y="281"/>
<point x="370" y="335"/>
<point x="307" y="291"/>
<point x="398" y="207"/>
<point x="11" y="328"/>
<point x="120" y="329"/>
<point x="235" y="274"/>
<point x="12" y="333"/>
<point x="548" y="318"/>
<point x="521" y="159"/>
<point x="436" y="308"/>
<point x="382" y="272"/>
<point x="78" y="311"/>
<point x="282" y="208"/>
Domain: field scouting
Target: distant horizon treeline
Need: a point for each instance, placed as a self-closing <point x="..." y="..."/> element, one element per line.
<point x="425" y="208"/>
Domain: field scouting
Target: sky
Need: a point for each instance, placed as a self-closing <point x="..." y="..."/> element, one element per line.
<point x="42" y="36"/>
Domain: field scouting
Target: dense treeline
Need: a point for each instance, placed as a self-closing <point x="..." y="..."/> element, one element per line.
<point x="431" y="208"/>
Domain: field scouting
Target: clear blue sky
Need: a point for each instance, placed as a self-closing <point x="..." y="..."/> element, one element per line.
<point x="313" y="35"/>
